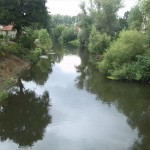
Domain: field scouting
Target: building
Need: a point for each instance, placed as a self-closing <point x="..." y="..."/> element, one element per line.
<point x="8" y="31"/>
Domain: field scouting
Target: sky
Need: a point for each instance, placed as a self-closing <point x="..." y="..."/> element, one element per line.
<point x="71" y="7"/>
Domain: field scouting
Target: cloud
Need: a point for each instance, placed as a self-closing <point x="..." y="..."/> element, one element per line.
<point x="71" y="7"/>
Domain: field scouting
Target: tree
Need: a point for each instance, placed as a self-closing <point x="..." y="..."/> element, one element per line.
<point x="105" y="16"/>
<point x="98" y="42"/>
<point x="135" y="18"/>
<point x="57" y="31"/>
<point x="42" y="40"/>
<point x="125" y="59"/>
<point x="69" y="34"/>
<point x="24" y="122"/>
<point x="23" y="13"/>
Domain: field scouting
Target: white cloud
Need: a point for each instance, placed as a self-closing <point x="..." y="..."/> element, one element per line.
<point x="128" y="4"/>
<point x="71" y="7"/>
<point x="64" y="7"/>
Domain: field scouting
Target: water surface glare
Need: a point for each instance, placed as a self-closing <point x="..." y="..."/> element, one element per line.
<point x="68" y="105"/>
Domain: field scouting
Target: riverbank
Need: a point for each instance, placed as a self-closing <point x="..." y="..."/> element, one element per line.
<point x="10" y="69"/>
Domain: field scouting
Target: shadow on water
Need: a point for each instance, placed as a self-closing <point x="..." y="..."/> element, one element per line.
<point x="24" y="117"/>
<point x="39" y="72"/>
<point x="131" y="99"/>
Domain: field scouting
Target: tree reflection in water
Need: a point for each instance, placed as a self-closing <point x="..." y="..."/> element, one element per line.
<point x="132" y="99"/>
<point x="40" y="72"/>
<point x="24" y="118"/>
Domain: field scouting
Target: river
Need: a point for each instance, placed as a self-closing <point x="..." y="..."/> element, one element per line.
<point x="64" y="103"/>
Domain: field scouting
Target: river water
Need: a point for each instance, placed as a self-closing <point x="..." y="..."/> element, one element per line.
<point x="64" y="103"/>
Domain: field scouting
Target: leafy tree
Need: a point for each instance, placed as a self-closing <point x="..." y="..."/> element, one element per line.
<point x="24" y="121"/>
<point x="57" y="31"/>
<point x="43" y="39"/>
<point x="145" y="7"/>
<point x="23" y="13"/>
<point x="100" y="13"/>
<point x="123" y="22"/>
<point x="121" y="59"/>
<point x="98" y="42"/>
<point x="66" y="20"/>
<point x="85" y="23"/>
<point x="135" y="18"/>
<point x="69" y="34"/>
<point x="105" y="16"/>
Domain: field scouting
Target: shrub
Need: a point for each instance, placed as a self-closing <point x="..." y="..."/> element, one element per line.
<point x="43" y="40"/>
<point x="33" y="57"/>
<point x="98" y="42"/>
<point x="27" y="42"/>
<point x="75" y="43"/>
<point x="9" y="47"/>
<point x="3" y="96"/>
<point x="69" y="34"/>
<point x="125" y="59"/>
<point x="57" y="31"/>
<point x="1" y="36"/>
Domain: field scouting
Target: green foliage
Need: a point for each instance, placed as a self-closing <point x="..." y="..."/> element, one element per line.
<point x="57" y="31"/>
<point x="63" y="19"/>
<point x="125" y="55"/>
<point x="85" y="23"/>
<point x="69" y="34"/>
<point x="23" y="13"/>
<point x="33" y="57"/>
<point x="43" y="40"/>
<point x="1" y="36"/>
<point x="145" y="6"/>
<point x="135" y="18"/>
<point x="27" y="41"/>
<point x="7" y="48"/>
<point x="98" y="42"/>
<point x="75" y="43"/>
<point x="3" y="96"/>
<point x="105" y="15"/>
<point x="100" y="13"/>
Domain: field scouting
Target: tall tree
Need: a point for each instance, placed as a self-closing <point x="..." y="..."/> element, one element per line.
<point x="106" y="15"/>
<point x="23" y="13"/>
<point x="135" y="18"/>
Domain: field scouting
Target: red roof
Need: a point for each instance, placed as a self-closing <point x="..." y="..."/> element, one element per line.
<point x="7" y="28"/>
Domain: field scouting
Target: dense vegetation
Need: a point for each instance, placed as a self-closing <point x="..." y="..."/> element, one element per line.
<point x="123" y="43"/>
<point x="64" y="30"/>
<point x="32" y="23"/>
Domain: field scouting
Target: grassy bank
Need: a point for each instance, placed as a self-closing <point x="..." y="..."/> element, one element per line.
<point x="10" y="68"/>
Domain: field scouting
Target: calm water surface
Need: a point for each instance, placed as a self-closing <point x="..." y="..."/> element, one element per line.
<point x="63" y="103"/>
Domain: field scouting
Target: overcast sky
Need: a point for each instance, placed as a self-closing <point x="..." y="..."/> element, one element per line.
<point x="71" y="7"/>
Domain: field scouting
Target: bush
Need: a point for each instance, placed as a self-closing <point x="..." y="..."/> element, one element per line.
<point x="125" y="59"/>
<point x="7" y="48"/>
<point x="33" y="57"/>
<point x="69" y="34"/>
<point x="43" y="41"/>
<point x="75" y="43"/>
<point x="98" y="42"/>
<point x="3" y="96"/>
<point x="57" y="31"/>
<point x="27" y="42"/>
<point x="1" y="36"/>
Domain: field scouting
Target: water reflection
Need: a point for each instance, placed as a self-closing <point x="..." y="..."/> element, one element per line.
<point x="24" y="117"/>
<point x="89" y="111"/>
<point x="40" y="72"/>
<point x="131" y="99"/>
